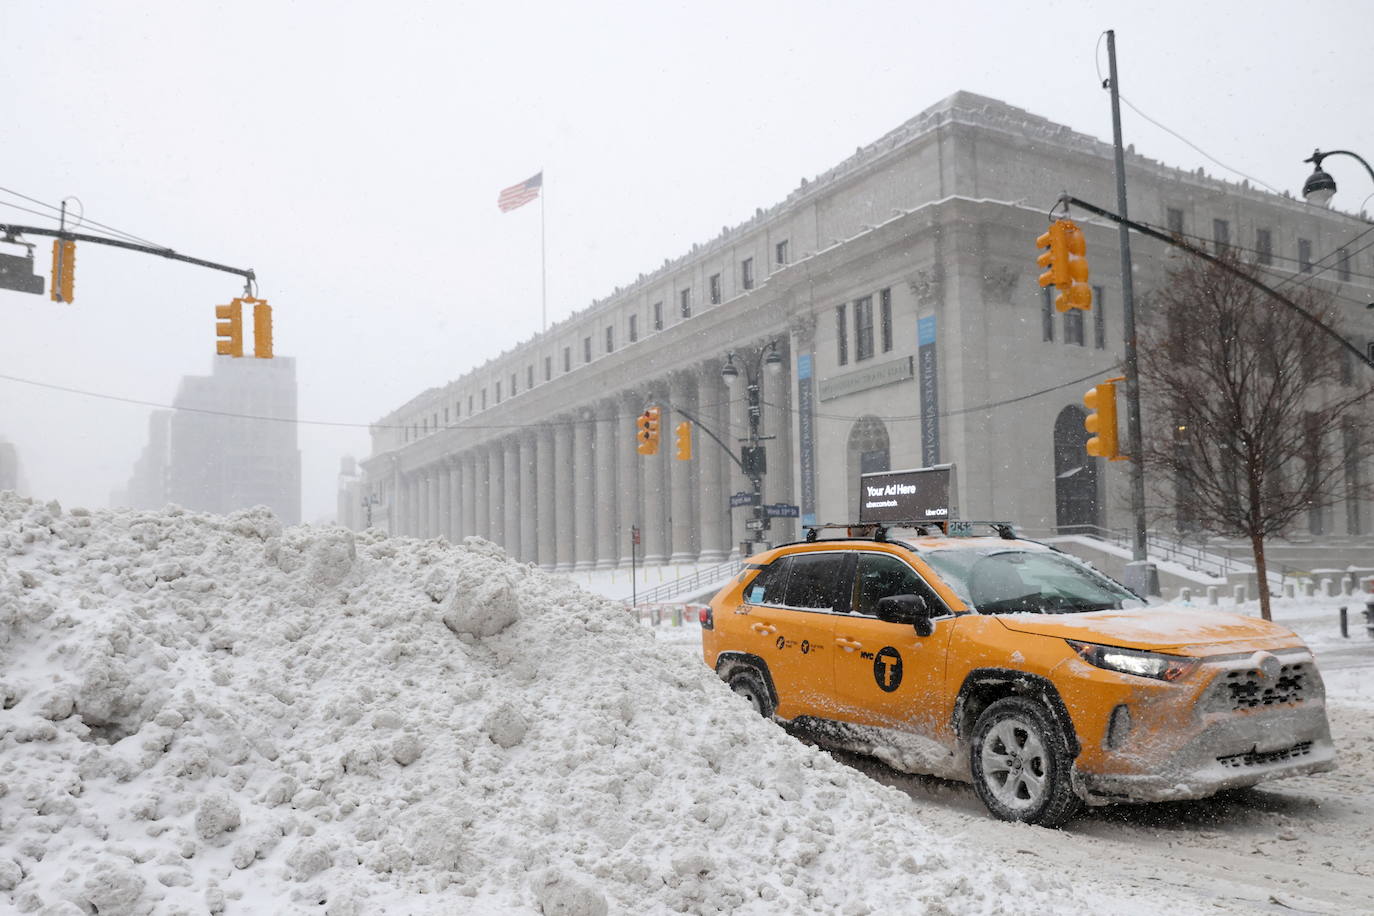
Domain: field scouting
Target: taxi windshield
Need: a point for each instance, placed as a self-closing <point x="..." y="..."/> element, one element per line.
<point x="1003" y="580"/>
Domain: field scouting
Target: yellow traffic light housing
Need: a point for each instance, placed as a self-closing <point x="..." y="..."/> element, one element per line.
<point x="1056" y="259"/>
<point x="648" y="431"/>
<point x="1079" y="294"/>
<point x="684" y="440"/>
<point x="1101" y="420"/>
<point x="63" y="270"/>
<point x="229" y="329"/>
<point x="262" y="329"/>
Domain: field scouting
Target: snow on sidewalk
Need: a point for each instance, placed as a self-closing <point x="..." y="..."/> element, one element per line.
<point x="202" y="712"/>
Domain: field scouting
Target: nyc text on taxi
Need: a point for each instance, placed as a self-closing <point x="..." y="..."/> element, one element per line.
<point x="1009" y="664"/>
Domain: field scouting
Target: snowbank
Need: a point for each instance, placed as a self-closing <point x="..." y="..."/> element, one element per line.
<point x="212" y="713"/>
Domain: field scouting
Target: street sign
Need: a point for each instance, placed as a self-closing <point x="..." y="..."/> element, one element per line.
<point x="16" y="273"/>
<point x="743" y="499"/>
<point x="634" y="534"/>
<point x="756" y="524"/>
<point x="782" y="510"/>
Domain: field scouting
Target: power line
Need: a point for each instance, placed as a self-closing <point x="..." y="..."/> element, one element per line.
<point x="84" y="219"/>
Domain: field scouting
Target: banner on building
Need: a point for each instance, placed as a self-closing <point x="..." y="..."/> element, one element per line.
<point x="806" y="434"/>
<point x="930" y="391"/>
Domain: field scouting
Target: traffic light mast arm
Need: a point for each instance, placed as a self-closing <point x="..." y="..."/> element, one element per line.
<point x="12" y="230"/>
<point x="1212" y="259"/>
<point x="714" y="438"/>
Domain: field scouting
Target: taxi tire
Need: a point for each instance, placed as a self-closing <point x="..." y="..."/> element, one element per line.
<point x="747" y="683"/>
<point x="1047" y="750"/>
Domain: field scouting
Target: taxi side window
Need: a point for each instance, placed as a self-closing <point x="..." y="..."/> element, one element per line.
<point x="813" y="581"/>
<point x="767" y="586"/>
<point x="879" y="575"/>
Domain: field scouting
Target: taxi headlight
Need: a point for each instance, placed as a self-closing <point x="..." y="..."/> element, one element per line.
<point x="1155" y="665"/>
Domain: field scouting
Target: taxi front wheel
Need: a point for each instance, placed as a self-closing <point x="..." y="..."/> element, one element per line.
<point x="747" y="683"/>
<point x="1020" y="761"/>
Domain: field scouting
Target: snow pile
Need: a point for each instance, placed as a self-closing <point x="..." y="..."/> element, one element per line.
<point x="203" y="713"/>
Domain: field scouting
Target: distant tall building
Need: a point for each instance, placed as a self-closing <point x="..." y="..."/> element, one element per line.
<point x="229" y="442"/>
<point x="9" y="466"/>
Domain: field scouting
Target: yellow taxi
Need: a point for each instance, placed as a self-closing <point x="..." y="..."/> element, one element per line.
<point x="1007" y="663"/>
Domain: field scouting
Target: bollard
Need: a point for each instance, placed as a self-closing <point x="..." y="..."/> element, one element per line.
<point x="677" y="615"/>
<point x="1290" y="589"/>
<point x="656" y="615"/>
<point x="1369" y="616"/>
<point x="1212" y="595"/>
<point x="1328" y="588"/>
<point x="1240" y="594"/>
<point x="1185" y="596"/>
<point x="1345" y="624"/>
<point x="1306" y="588"/>
<point x="1347" y="586"/>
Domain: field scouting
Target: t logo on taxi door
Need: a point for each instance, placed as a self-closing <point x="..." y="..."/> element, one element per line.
<point x="887" y="669"/>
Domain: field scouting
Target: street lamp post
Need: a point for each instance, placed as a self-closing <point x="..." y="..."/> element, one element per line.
<point x="752" y="456"/>
<point x="1321" y="187"/>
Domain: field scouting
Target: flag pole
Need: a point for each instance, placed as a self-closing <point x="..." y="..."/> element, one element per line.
<point x="543" y="272"/>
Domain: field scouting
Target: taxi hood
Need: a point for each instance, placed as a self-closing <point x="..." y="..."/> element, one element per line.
<point x="1180" y="630"/>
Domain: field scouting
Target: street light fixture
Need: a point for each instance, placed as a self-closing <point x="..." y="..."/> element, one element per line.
<point x="1320" y="187"/>
<point x="752" y="456"/>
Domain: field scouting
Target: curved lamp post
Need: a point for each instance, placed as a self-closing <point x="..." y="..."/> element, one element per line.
<point x="752" y="455"/>
<point x="1320" y="186"/>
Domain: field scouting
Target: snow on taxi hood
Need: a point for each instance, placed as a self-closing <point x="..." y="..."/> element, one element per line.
<point x="212" y="714"/>
<point x="1187" y="630"/>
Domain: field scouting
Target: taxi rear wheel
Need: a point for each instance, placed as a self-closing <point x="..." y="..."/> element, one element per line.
<point x="747" y="683"/>
<point x="1020" y="761"/>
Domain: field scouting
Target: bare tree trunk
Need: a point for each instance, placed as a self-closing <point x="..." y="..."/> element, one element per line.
<point x="1262" y="573"/>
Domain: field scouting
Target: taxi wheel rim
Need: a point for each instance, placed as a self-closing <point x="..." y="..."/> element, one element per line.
<point x="1015" y="764"/>
<point x="749" y="693"/>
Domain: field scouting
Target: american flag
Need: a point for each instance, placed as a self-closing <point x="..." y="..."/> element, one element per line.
<point x="517" y="195"/>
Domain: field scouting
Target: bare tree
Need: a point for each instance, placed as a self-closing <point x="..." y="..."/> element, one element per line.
<point x="1255" y="416"/>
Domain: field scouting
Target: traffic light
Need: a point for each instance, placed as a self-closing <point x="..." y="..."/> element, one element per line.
<point x="229" y="329"/>
<point x="262" y="329"/>
<point x="648" y="431"/>
<point x="684" y="440"/>
<point x="1101" y="420"/>
<point x="63" y="270"/>
<point x="1079" y="295"/>
<point x="1056" y="259"/>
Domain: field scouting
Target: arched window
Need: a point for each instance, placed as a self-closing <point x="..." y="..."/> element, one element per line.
<point x="868" y="452"/>
<point x="1075" y="473"/>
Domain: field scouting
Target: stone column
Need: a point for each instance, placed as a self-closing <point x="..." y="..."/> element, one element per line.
<point x="563" y="492"/>
<point x="606" y="494"/>
<point x="511" y="497"/>
<point x="468" y="501"/>
<point x="529" y="499"/>
<point x="683" y="491"/>
<point x="412" y="504"/>
<point x="779" y="485"/>
<point x="496" y="488"/>
<point x="426" y="514"/>
<point x="455" y="506"/>
<point x="711" y="399"/>
<point x="445" y="500"/>
<point x="655" y="476"/>
<point x="546" y="505"/>
<point x="584" y="488"/>
<point x="393" y="497"/>
<point x="628" y="484"/>
<point x="481" y="485"/>
<point x="739" y="428"/>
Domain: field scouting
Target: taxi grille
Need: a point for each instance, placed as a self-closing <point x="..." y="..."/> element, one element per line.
<point x="1248" y="688"/>
<point x="1252" y="758"/>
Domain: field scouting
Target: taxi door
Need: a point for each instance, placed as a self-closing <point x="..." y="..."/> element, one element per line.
<point x="789" y="619"/>
<point x="885" y="674"/>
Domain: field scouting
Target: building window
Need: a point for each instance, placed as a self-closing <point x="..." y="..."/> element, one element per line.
<point x="1099" y="319"/>
<point x="1221" y="235"/>
<point x="446" y="416"/>
<point x="885" y="317"/>
<point x="1343" y="263"/>
<point x="548" y="368"/>
<point x="484" y="399"/>
<point x="498" y="392"/>
<point x="841" y="335"/>
<point x="780" y="249"/>
<point x="863" y="328"/>
<point x="512" y="384"/>
<point x="1305" y="255"/>
<point x="1264" y="246"/>
<point x="1073" y="327"/>
<point x="457" y="409"/>
<point x="1046" y="315"/>
<point x="1174" y="218"/>
<point x="746" y="273"/>
<point x="586" y="349"/>
<point x="567" y="359"/>
<point x="685" y="298"/>
<point x="634" y="328"/>
<point x="658" y="316"/>
<point x="469" y="405"/>
<point x="610" y="339"/>
<point x="529" y="376"/>
<point x="714" y="283"/>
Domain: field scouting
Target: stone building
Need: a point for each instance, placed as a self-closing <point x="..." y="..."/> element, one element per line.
<point x="228" y="443"/>
<point x="899" y="289"/>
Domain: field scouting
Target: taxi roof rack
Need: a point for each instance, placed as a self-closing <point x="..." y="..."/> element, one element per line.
<point x="878" y="530"/>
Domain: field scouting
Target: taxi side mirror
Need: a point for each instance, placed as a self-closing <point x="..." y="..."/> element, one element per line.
<point x="911" y="609"/>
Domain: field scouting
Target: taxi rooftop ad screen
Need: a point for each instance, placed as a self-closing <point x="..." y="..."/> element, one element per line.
<point x="917" y="495"/>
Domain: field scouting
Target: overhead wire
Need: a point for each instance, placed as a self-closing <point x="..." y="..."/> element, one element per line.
<point x="129" y="236"/>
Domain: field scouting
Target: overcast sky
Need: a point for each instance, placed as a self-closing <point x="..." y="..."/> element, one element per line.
<point x="352" y="153"/>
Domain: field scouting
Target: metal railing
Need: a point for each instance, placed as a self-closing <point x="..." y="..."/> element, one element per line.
<point x="1161" y="546"/>
<point x="699" y="579"/>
